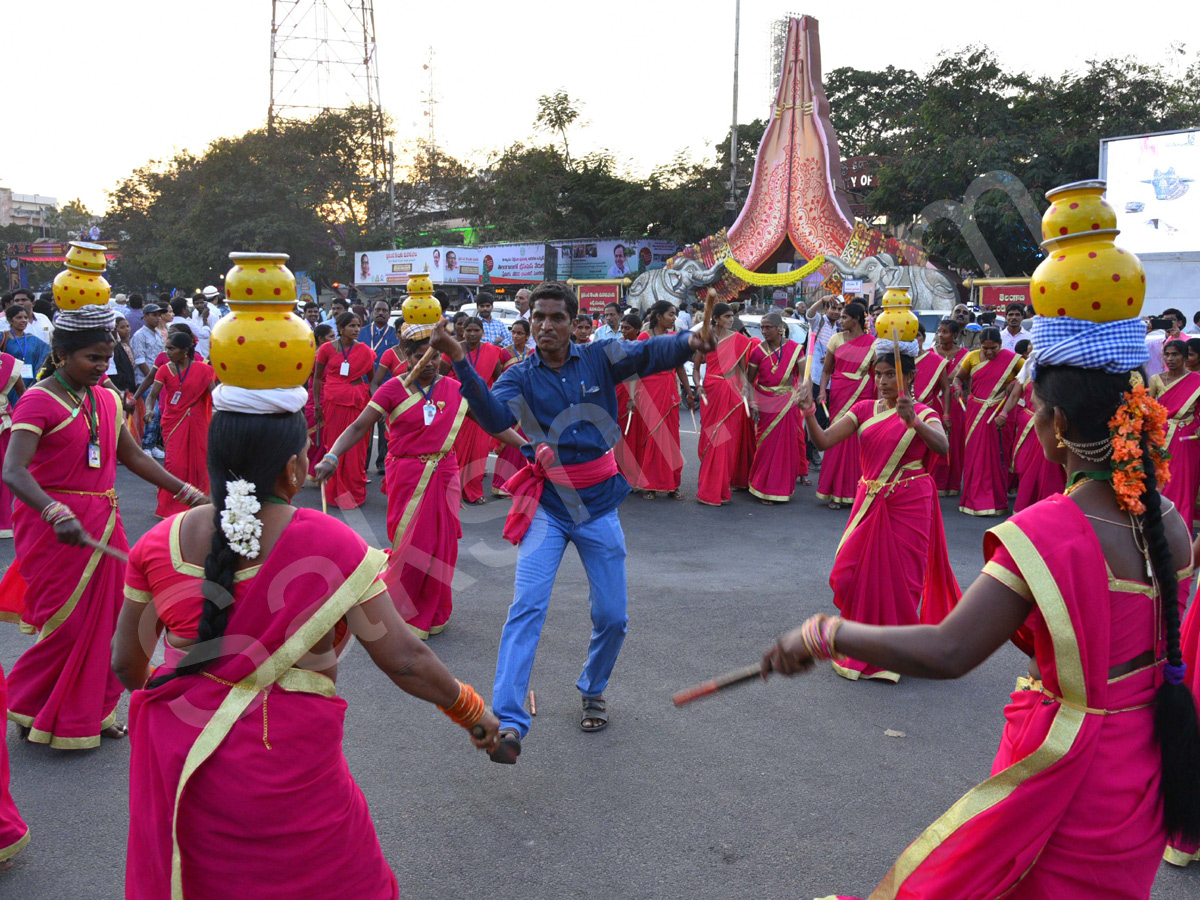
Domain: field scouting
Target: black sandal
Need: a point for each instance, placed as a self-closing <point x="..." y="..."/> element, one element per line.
<point x="595" y="709"/>
<point x="508" y="749"/>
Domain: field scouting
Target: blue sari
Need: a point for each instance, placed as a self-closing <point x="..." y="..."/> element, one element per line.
<point x="28" y="349"/>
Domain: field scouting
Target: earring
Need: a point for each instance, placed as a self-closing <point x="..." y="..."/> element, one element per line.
<point x="1058" y="434"/>
<point x="293" y="479"/>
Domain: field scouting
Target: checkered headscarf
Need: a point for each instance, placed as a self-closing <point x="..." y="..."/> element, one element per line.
<point x="1113" y="347"/>
<point x="87" y="318"/>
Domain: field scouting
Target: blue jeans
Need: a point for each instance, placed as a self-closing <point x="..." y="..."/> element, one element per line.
<point x="601" y="546"/>
<point x="153" y="428"/>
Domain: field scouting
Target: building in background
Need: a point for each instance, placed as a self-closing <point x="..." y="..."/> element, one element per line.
<point x="37" y="212"/>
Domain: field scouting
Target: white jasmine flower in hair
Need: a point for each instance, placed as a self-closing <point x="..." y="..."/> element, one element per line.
<point x="239" y="523"/>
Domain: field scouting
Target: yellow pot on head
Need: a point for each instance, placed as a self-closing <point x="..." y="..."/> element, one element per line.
<point x="82" y="283"/>
<point x="83" y="255"/>
<point x="420" y="307"/>
<point x="1085" y="275"/>
<point x="900" y="322"/>
<point x="261" y="343"/>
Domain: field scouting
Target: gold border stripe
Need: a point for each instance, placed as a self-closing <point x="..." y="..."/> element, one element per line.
<point x="418" y="493"/>
<point x="1068" y="721"/>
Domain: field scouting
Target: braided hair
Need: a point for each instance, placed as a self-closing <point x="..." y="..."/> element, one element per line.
<point x="255" y="448"/>
<point x="65" y="342"/>
<point x="1090" y="399"/>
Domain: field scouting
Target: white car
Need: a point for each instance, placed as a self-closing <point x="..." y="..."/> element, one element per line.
<point x="797" y="331"/>
<point x="503" y="310"/>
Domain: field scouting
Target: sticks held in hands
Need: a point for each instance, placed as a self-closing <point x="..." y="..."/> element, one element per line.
<point x="89" y="541"/>
<point x="899" y="371"/>
<point x="716" y="684"/>
<point x="410" y="377"/>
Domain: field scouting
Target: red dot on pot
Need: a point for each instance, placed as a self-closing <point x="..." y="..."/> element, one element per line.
<point x="1074" y="206"/>
<point x="241" y="340"/>
<point x="258" y="319"/>
<point x="1042" y="289"/>
<point x="1116" y="277"/>
<point x="1096" y="304"/>
<point x="1061" y="311"/>
<point x="1074" y="285"/>
<point x="249" y="292"/>
<point x="1092" y="255"/>
<point x="283" y="343"/>
<point x="1063" y="230"/>
<point x="261" y="367"/>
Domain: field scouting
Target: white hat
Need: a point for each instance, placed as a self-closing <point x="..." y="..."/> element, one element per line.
<point x="210" y="292"/>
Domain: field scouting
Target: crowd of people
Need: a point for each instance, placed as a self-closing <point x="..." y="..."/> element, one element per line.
<point x="1098" y="773"/>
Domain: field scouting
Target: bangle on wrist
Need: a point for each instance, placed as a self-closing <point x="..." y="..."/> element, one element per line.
<point x="55" y="513"/>
<point x="332" y="457"/>
<point x="468" y="709"/>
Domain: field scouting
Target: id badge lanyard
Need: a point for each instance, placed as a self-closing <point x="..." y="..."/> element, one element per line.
<point x="429" y="409"/>
<point x="183" y="374"/>
<point x="93" y="420"/>
<point x="26" y="365"/>
<point x="344" y="369"/>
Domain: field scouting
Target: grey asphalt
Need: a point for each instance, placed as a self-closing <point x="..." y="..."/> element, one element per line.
<point x="789" y="789"/>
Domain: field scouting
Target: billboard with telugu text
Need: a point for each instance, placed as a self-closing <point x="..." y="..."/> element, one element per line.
<point x="444" y="265"/>
<point x="613" y="258"/>
<point x="513" y="263"/>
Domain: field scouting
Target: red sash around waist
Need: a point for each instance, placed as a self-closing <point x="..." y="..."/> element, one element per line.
<point x="527" y="485"/>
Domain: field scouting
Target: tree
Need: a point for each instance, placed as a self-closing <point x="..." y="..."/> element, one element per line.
<point x="556" y="113"/>
<point x="968" y="117"/>
<point x="305" y="189"/>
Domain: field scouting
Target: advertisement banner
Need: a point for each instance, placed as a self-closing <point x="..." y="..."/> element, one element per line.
<point x="610" y="258"/>
<point x="306" y="289"/>
<point x="444" y="265"/>
<point x="513" y="263"/>
<point x="999" y="296"/>
<point x="594" y="297"/>
<point x="1150" y="180"/>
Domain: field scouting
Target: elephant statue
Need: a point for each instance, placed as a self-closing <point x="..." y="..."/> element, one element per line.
<point x="929" y="288"/>
<point x="676" y="283"/>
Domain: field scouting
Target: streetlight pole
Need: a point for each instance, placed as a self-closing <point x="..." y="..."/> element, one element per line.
<point x="733" y="139"/>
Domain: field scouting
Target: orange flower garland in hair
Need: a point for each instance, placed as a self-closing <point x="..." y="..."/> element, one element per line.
<point x="1139" y="415"/>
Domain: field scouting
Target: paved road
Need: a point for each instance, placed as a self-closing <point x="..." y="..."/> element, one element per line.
<point x="789" y="789"/>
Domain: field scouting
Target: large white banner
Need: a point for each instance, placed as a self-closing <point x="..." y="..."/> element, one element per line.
<point x="513" y="263"/>
<point x="444" y="265"/>
<point x="610" y="258"/>
<point x="1153" y="185"/>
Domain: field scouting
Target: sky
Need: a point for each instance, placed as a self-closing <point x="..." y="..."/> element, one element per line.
<point x="130" y="81"/>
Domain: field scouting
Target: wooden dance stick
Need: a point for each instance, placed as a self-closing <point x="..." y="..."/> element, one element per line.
<point x="695" y="427"/>
<point x="532" y="704"/>
<point x="324" y="502"/>
<point x="410" y="377"/>
<point x="89" y="541"/>
<point x="737" y="676"/>
<point x="899" y="371"/>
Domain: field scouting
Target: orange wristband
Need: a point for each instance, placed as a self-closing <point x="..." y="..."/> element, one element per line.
<point x="468" y="709"/>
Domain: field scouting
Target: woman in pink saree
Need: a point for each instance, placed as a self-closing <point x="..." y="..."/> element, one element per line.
<point x="473" y="442"/>
<point x="10" y="380"/>
<point x="845" y="380"/>
<point x="185" y="387"/>
<point x="237" y="737"/>
<point x="932" y="388"/>
<point x="625" y="451"/>
<point x="1037" y="476"/>
<point x="1178" y="390"/>
<point x="67" y="436"/>
<point x="989" y="370"/>
<point x="775" y="367"/>
<point x="659" y="457"/>
<point x="891" y="566"/>
<point x="342" y="367"/>
<point x="726" y="441"/>
<point x="14" y="833"/>
<point x="1086" y="785"/>
<point x="422" y="483"/>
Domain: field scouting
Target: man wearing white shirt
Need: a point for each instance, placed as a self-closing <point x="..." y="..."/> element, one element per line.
<point x="618" y="269"/>
<point x="612" y="323"/>
<point x="1014" y="317"/>
<point x="204" y="316"/>
<point x="522" y="301"/>
<point x="39" y="325"/>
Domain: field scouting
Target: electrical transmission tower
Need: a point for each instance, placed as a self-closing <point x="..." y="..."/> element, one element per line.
<point x="323" y="58"/>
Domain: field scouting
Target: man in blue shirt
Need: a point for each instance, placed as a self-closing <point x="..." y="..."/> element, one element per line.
<point x="612" y="323"/>
<point x="380" y="336"/>
<point x="564" y="397"/>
